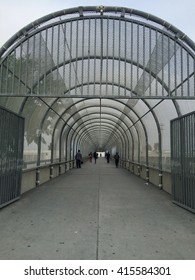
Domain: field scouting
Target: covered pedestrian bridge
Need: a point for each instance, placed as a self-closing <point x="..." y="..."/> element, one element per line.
<point x="98" y="79"/>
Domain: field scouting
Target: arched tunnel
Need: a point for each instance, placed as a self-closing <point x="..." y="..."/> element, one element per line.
<point x="98" y="79"/>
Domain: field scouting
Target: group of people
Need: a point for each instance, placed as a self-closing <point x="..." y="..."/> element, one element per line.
<point x="95" y="155"/>
<point x="116" y="158"/>
<point x="79" y="160"/>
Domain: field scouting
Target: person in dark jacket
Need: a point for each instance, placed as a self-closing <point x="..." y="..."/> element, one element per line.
<point x="108" y="157"/>
<point x="116" y="158"/>
<point x="78" y="158"/>
<point x="95" y="155"/>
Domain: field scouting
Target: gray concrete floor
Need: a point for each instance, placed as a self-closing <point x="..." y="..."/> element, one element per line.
<point x="96" y="212"/>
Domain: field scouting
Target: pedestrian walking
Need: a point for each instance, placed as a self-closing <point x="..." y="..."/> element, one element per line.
<point x="78" y="158"/>
<point x="116" y="158"/>
<point x="108" y="157"/>
<point x="95" y="155"/>
<point x="90" y="156"/>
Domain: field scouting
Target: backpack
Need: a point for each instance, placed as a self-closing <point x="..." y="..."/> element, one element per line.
<point x="116" y="156"/>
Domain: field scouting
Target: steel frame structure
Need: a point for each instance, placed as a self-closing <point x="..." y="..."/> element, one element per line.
<point x="183" y="161"/>
<point x="107" y="78"/>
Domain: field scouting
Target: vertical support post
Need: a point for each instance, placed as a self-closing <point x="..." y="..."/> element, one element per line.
<point x="51" y="172"/>
<point x="147" y="174"/>
<point x="138" y="167"/>
<point x="132" y="168"/>
<point x="37" y="177"/>
<point x="160" y="179"/>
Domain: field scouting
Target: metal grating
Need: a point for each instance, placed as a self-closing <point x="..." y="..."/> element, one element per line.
<point x="11" y="153"/>
<point x="183" y="161"/>
<point x="98" y="55"/>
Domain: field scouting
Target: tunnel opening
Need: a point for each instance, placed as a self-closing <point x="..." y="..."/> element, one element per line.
<point x="91" y="78"/>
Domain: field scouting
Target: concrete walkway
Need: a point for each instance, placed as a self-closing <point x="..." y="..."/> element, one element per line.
<point x="96" y="212"/>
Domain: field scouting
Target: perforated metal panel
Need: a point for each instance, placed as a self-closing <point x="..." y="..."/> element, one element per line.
<point x="98" y="52"/>
<point x="11" y="152"/>
<point x="183" y="161"/>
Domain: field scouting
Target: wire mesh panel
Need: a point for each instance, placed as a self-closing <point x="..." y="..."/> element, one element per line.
<point x="11" y="153"/>
<point x="183" y="161"/>
<point x="98" y="52"/>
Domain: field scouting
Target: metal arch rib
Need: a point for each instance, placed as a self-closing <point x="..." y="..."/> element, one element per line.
<point x="117" y="10"/>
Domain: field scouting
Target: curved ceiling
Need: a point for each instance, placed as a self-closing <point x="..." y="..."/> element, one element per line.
<point x="104" y="78"/>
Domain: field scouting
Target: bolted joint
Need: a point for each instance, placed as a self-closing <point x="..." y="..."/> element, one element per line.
<point x="81" y="11"/>
<point x="100" y="9"/>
